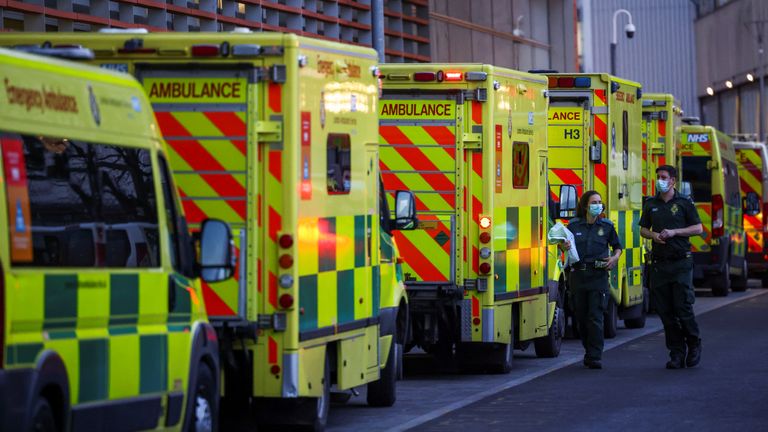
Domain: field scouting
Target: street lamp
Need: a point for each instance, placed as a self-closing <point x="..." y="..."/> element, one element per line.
<point x="629" y="29"/>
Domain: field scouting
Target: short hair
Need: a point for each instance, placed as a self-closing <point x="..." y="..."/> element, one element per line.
<point x="668" y="168"/>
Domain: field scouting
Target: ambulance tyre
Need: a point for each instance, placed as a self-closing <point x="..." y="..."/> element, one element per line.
<point x="204" y="405"/>
<point x="721" y="284"/>
<point x="313" y="412"/>
<point x="42" y="417"/>
<point x="501" y="362"/>
<point x="739" y="283"/>
<point x="382" y="393"/>
<point x="764" y="280"/>
<point x="610" y="319"/>
<point x="549" y="345"/>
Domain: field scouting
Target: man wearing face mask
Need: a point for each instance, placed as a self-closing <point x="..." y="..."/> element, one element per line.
<point x="669" y="219"/>
<point x="588" y="278"/>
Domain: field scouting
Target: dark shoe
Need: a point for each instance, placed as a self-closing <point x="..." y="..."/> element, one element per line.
<point x="675" y="362"/>
<point x="694" y="353"/>
<point x="593" y="364"/>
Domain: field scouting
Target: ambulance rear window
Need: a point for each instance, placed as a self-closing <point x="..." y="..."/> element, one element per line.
<point x="339" y="164"/>
<point x="520" y="165"/>
<point x="76" y="204"/>
<point x="696" y="172"/>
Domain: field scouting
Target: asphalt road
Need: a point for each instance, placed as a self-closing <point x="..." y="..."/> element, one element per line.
<point x="728" y="391"/>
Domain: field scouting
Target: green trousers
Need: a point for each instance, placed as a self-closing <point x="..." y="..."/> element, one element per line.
<point x="589" y="295"/>
<point x="673" y="297"/>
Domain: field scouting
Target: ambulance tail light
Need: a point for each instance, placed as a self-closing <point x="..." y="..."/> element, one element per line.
<point x="484" y="254"/>
<point x="453" y="76"/>
<point x="285" y="261"/>
<point x="424" y="76"/>
<point x="475" y="76"/>
<point x="286" y="301"/>
<point x="718" y="225"/>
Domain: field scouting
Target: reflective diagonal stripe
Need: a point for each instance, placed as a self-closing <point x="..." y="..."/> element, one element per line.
<point x="701" y="242"/>
<point x="201" y="173"/>
<point x="421" y="157"/>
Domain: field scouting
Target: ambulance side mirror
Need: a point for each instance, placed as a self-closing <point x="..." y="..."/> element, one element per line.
<point x="568" y="202"/>
<point x="217" y="251"/>
<point x="685" y="190"/>
<point x="595" y="151"/>
<point x="405" y="211"/>
<point x="751" y="204"/>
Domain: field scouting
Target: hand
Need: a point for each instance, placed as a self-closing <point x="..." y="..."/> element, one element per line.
<point x="564" y="245"/>
<point x="667" y="234"/>
<point x="611" y="262"/>
<point x="657" y="238"/>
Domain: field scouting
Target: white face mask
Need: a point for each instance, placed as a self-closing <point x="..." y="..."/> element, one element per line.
<point x="662" y="185"/>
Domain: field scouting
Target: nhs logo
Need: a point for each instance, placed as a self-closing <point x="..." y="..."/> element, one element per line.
<point x="698" y="138"/>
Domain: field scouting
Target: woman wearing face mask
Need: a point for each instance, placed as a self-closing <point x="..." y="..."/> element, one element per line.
<point x="588" y="278"/>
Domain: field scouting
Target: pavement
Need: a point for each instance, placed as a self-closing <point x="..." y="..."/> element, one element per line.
<point x="634" y="391"/>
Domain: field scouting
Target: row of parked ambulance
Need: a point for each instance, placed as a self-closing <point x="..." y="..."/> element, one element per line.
<point x="216" y="231"/>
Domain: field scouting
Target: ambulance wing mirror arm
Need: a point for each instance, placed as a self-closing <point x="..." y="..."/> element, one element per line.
<point x="751" y="204"/>
<point x="567" y="205"/>
<point x="405" y="211"/>
<point x="217" y="251"/>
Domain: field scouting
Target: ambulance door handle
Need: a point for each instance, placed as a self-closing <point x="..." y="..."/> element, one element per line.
<point x="171" y="294"/>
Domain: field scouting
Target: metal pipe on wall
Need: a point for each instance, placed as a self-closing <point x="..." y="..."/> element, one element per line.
<point x="377" y="28"/>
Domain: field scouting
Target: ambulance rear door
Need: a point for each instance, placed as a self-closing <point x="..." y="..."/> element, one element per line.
<point x="569" y="137"/>
<point x="204" y="113"/>
<point x="420" y="153"/>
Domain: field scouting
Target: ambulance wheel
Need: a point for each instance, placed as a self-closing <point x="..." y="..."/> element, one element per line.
<point x="382" y="393"/>
<point x="501" y="358"/>
<point x="204" y="405"/>
<point x="739" y="283"/>
<point x="42" y="419"/>
<point x="610" y="319"/>
<point x="313" y="412"/>
<point x="764" y="281"/>
<point x="549" y="345"/>
<point x="721" y="284"/>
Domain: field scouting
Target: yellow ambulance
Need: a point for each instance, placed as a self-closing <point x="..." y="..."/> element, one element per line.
<point x="710" y="173"/>
<point x="470" y="141"/>
<point x="752" y="158"/>
<point x="102" y="324"/>
<point x="277" y="135"/>
<point x="594" y="134"/>
<point x="662" y="118"/>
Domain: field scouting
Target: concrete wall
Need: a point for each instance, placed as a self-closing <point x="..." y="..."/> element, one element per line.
<point x="727" y="49"/>
<point x="483" y="31"/>
<point x="662" y="54"/>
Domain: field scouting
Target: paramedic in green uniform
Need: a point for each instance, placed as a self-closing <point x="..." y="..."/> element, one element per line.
<point x="588" y="278"/>
<point x="669" y="219"/>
